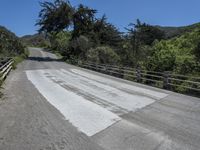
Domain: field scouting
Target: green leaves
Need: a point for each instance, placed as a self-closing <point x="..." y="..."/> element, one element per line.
<point x="83" y="20"/>
<point x="55" y="17"/>
<point x="10" y="45"/>
<point x="88" y="31"/>
<point x="179" y="54"/>
<point x="144" y="34"/>
<point x="103" y="55"/>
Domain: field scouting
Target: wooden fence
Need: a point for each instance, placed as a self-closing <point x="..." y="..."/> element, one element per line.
<point x="166" y="80"/>
<point x="5" y="67"/>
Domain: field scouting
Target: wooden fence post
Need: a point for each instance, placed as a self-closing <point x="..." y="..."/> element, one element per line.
<point x="138" y="74"/>
<point x="80" y="63"/>
<point x="105" y="69"/>
<point x="121" y="71"/>
<point x="166" y="80"/>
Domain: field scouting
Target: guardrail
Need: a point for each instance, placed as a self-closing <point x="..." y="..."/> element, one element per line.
<point x="165" y="80"/>
<point x="5" y="67"/>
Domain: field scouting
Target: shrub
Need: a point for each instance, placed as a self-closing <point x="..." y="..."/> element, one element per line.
<point x="10" y="45"/>
<point x="79" y="46"/>
<point x="103" y="54"/>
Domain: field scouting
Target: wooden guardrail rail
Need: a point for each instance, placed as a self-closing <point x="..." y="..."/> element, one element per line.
<point x="166" y="80"/>
<point x="5" y="67"/>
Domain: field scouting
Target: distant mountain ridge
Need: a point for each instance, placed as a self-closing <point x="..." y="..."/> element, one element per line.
<point x="177" y="31"/>
<point x="36" y="40"/>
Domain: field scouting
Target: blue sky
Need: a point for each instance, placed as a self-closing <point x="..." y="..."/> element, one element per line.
<point x="20" y="15"/>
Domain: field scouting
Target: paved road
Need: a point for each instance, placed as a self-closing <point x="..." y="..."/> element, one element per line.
<point x="49" y="105"/>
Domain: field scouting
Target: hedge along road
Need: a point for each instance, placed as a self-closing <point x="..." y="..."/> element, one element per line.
<point x="49" y="104"/>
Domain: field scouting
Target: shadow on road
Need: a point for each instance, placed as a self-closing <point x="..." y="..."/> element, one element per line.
<point x="43" y="59"/>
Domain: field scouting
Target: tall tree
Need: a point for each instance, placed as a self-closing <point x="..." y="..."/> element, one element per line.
<point x="144" y="33"/>
<point x="107" y="33"/>
<point x="55" y="16"/>
<point x="83" y="20"/>
<point x="141" y="36"/>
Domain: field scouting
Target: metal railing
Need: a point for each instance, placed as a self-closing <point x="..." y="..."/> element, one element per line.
<point x="5" y="67"/>
<point x="166" y="80"/>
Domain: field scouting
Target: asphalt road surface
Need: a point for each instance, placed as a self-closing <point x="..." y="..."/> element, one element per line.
<point x="50" y="105"/>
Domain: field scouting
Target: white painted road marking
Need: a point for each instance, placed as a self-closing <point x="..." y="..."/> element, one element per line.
<point x="110" y="94"/>
<point x="147" y="92"/>
<point x="87" y="116"/>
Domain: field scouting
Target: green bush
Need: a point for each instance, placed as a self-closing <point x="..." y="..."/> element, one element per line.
<point x="78" y="47"/>
<point x="60" y="41"/>
<point x="103" y="55"/>
<point x="10" y="45"/>
<point x="178" y="55"/>
<point x="20" y="58"/>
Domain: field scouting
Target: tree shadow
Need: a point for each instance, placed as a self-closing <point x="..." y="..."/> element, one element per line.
<point x="44" y="59"/>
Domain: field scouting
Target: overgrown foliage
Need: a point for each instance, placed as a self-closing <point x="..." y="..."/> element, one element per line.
<point x="54" y="17"/>
<point x="10" y="45"/>
<point x="138" y="42"/>
<point x="36" y="40"/>
<point x="180" y="55"/>
<point x="103" y="55"/>
<point x="83" y="20"/>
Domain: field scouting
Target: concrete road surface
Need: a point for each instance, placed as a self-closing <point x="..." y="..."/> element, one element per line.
<point x="50" y="105"/>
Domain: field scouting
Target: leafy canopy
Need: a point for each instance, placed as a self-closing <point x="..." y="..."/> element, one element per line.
<point x="54" y="17"/>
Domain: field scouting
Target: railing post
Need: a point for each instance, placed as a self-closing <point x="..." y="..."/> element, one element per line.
<point x="138" y="74"/>
<point x="96" y="67"/>
<point x="166" y="80"/>
<point x="121" y="71"/>
<point x="106" y="69"/>
<point x="80" y="63"/>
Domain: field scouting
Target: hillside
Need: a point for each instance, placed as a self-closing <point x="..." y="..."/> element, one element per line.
<point x="10" y="45"/>
<point x="177" y="31"/>
<point x="179" y="54"/>
<point x="36" y="40"/>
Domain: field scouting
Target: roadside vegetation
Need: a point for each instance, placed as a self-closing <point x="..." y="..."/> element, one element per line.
<point x="11" y="47"/>
<point x="36" y="40"/>
<point x="78" y="35"/>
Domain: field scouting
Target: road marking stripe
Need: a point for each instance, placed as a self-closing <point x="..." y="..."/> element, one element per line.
<point x="154" y="94"/>
<point x="88" y="117"/>
<point x="130" y="102"/>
